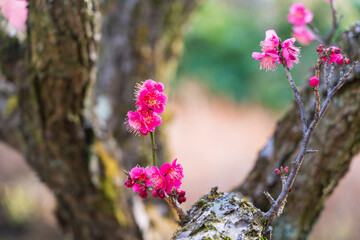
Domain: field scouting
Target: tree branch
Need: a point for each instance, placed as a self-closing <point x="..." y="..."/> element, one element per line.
<point x="335" y="143"/>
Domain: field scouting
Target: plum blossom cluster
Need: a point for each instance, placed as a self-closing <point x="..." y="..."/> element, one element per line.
<point x="16" y="12"/>
<point x="329" y="55"/>
<point x="274" y="52"/>
<point x="332" y="55"/>
<point x="150" y="102"/>
<point x="164" y="181"/>
<point x="300" y="16"/>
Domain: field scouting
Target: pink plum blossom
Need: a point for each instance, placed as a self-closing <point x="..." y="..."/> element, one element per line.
<point x="150" y="94"/>
<point x="290" y="53"/>
<point x="136" y="123"/>
<point x="158" y="179"/>
<point x="299" y="15"/>
<point x="16" y="12"/>
<point x="267" y="60"/>
<point x="150" y="85"/>
<point x="139" y="180"/>
<point x="173" y="174"/>
<point x="271" y="41"/>
<point x="314" y="81"/>
<point x="143" y="121"/>
<point x="151" y="119"/>
<point x="302" y="35"/>
<point x="336" y="58"/>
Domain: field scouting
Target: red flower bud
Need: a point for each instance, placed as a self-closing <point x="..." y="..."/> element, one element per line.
<point x="155" y="193"/>
<point x="277" y="171"/>
<point x="129" y="183"/>
<point x="290" y="190"/>
<point x="347" y="61"/>
<point x="286" y="169"/>
<point x="320" y="48"/>
<point x="181" y="193"/>
<point x="314" y="81"/>
<point x="335" y="50"/>
<point x="161" y="195"/>
<point x="181" y="199"/>
<point x="143" y="193"/>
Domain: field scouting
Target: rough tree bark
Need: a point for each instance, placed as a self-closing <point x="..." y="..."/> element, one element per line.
<point x="61" y="142"/>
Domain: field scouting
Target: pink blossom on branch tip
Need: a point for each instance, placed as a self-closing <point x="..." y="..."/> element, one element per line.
<point x="299" y="15"/>
<point x="16" y="12"/>
<point x="289" y="52"/>
<point x="150" y="95"/>
<point x="271" y="41"/>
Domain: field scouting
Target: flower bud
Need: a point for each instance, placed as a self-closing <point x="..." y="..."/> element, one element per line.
<point x="320" y="48"/>
<point x="161" y="195"/>
<point x="289" y="190"/>
<point x="181" y="193"/>
<point x="143" y="193"/>
<point x="286" y="169"/>
<point x="314" y="81"/>
<point x="347" y="61"/>
<point x="155" y="193"/>
<point x="181" y="199"/>
<point x="335" y="50"/>
<point x="277" y="171"/>
<point x="129" y="183"/>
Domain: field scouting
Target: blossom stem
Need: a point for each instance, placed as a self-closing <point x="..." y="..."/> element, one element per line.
<point x="153" y="148"/>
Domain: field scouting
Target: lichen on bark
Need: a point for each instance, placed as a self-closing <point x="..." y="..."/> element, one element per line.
<point x="222" y="216"/>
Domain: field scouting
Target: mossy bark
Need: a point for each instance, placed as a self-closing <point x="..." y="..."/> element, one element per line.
<point x="222" y="216"/>
<point x="57" y="124"/>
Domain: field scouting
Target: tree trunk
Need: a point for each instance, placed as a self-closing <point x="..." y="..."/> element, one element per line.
<point x="61" y="140"/>
<point x="337" y="139"/>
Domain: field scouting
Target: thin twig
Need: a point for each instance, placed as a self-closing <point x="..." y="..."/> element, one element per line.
<point x="315" y="32"/>
<point x="335" y="24"/>
<point x="269" y="197"/>
<point x="297" y="97"/>
<point x="153" y="148"/>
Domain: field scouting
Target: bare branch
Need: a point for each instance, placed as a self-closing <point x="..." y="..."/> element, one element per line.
<point x="335" y="24"/>
<point x="313" y="29"/>
<point x="277" y="206"/>
<point x="269" y="197"/>
<point x="175" y="204"/>
<point x="297" y="97"/>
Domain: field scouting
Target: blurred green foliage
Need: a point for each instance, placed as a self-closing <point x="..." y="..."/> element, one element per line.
<point x="224" y="34"/>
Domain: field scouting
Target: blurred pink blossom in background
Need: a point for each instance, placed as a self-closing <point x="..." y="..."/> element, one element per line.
<point x="302" y="35"/>
<point x="16" y="12"/>
<point x="299" y="15"/>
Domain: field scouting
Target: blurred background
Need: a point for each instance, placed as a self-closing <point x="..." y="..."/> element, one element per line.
<point x="218" y="97"/>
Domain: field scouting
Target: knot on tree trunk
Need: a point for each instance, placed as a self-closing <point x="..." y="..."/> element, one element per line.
<point x="222" y="216"/>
